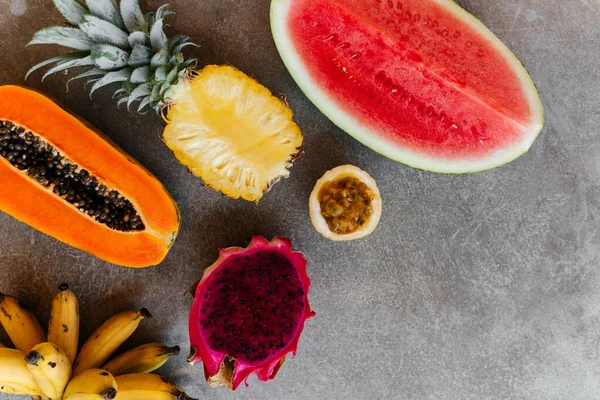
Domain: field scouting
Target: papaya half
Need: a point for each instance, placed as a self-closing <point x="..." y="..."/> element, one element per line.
<point x="64" y="178"/>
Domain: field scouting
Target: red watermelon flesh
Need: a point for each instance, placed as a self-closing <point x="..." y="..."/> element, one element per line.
<point x="421" y="81"/>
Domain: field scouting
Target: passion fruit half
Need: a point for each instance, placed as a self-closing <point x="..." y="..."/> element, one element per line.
<point x="345" y="204"/>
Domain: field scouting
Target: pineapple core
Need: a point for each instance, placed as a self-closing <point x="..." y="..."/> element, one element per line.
<point x="232" y="132"/>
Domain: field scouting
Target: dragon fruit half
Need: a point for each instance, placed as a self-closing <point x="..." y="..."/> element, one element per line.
<point x="249" y="311"/>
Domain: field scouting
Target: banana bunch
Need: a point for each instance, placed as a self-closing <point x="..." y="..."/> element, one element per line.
<point x="50" y="367"/>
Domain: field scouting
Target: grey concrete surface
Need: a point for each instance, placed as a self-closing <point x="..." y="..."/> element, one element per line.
<point x="474" y="287"/>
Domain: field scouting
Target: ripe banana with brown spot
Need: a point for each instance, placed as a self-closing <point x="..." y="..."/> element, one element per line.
<point x="50" y="367"/>
<point x="63" y="328"/>
<point x="107" y="338"/>
<point x="148" y="387"/>
<point x="143" y="359"/>
<point x="15" y="377"/>
<point x="21" y="325"/>
<point x="91" y="384"/>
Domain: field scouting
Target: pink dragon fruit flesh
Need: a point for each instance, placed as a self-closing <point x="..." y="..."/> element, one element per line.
<point x="249" y="311"/>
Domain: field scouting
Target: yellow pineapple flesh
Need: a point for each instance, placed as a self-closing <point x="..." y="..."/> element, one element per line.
<point x="232" y="132"/>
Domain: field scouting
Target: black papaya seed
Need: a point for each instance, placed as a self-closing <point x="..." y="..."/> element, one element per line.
<point x="30" y="153"/>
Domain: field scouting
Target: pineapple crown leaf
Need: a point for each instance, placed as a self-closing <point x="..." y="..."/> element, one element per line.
<point x="158" y="39"/>
<point x="140" y="55"/>
<point x="160" y="74"/>
<point x="132" y="16"/>
<point x="90" y="82"/>
<point x="121" y="45"/>
<point x="58" y="59"/>
<point x="180" y="47"/>
<point x="160" y="89"/>
<point x="143" y="103"/>
<point x="119" y="92"/>
<point x="72" y="10"/>
<point x="160" y="59"/>
<point x="121" y="75"/>
<point x="106" y="10"/>
<point x="163" y="11"/>
<point x="137" y="37"/>
<point x="176" y="59"/>
<point x="80" y="62"/>
<point x="99" y="30"/>
<point x="141" y="74"/>
<point x="167" y="92"/>
<point x="189" y="63"/>
<point x="140" y="91"/>
<point x="172" y="76"/>
<point x="67" y="37"/>
<point x="109" y="57"/>
<point x="122" y="100"/>
<point x="91" y="72"/>
<point x="176" y="40"/>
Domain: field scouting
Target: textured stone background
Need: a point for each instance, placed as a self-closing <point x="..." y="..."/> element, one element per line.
<point x="473" y="287"/>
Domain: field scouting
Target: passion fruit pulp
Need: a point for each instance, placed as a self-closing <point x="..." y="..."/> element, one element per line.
<point x="345" y="204"/>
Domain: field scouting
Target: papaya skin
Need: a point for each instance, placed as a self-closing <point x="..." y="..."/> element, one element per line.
<point x="26" y="200"/>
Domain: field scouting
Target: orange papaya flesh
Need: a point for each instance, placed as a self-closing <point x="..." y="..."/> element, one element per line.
<point x="29" y="201"/>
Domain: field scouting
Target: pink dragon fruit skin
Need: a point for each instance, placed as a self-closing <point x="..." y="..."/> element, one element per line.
<point x="249" y="311"/>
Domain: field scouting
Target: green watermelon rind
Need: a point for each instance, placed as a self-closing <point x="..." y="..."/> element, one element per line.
<point x="372" y="139"/>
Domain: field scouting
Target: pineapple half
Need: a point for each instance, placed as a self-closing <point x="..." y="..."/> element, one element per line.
<point x="228" y="129"/>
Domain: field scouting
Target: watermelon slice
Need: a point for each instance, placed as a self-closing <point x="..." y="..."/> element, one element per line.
<point x="420" y="81"/>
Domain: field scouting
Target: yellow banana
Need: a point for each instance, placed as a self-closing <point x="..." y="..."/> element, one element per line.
<point x="92" y="384"/>
<point x="21" y="325"/>
<point x="143" y="359"/>
<point x="50" y="367"/>
<point x="63" y="329"/>
<point x="147" y="387"/>
<point x="15" y="378"/>
<point x="107" y="338"/>
<point x="40" y="398"/>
